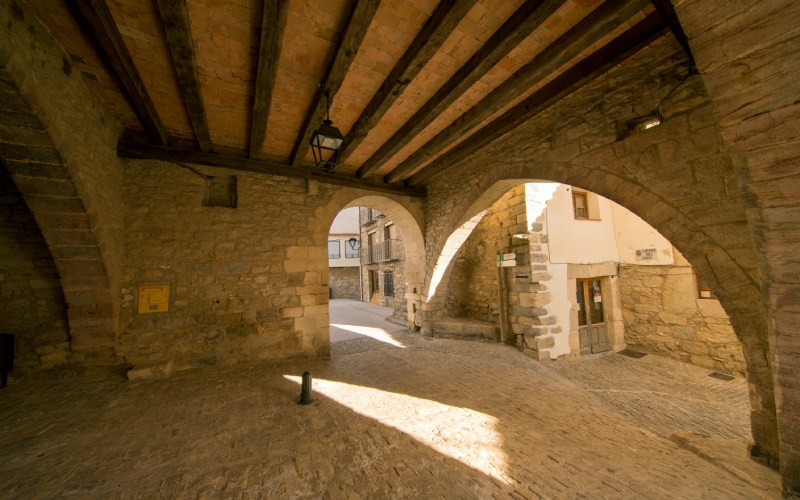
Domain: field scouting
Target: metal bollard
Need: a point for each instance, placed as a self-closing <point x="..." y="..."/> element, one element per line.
<point x="305" y="392"/>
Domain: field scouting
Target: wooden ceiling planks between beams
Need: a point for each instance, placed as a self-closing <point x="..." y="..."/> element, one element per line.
<point x="175" y="22"/>
<point x="130" y="149"/>
<point x="354" y="33"/>
<point x="99" y="28"/>
<point x="618" y="50"/>
<point x="598" y="24"/>
<point x="273" y="24"/>
<point x="522" y="23"/>
<point x="445" y="19"/>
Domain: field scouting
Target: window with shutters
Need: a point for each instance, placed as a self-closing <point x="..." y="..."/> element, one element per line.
<point x="703" y="290"/>
<point x="579" y="203"/>
<point x="388" y="284"/>
<point x="585" y="205"/>
<point x="334" y="251"/>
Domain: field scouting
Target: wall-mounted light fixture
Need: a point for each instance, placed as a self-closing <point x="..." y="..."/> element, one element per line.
<point x="326" y="141"/>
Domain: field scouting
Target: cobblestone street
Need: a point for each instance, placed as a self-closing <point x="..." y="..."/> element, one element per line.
<point x="414" y="418"/>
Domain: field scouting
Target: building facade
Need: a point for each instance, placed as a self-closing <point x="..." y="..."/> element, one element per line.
<point x="382" y="258"/>
<point x="344" y="277"/>
<point x="344" y="263"/>
<point x="582" y="275"/>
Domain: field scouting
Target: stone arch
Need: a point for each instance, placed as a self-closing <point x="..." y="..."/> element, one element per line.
<point x="471" y="217"/>
<point x="735" y="287"/>
<point x="407" y="214"/>
<point x="743" y="56"/>
<point x="54" y="197"/>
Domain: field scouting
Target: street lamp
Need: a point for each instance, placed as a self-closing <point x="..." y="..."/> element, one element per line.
<point x="326" y="141"/>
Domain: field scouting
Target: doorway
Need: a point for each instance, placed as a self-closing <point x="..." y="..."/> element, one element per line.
<point x="374" y="291"/>
<point x="592" y="326"/>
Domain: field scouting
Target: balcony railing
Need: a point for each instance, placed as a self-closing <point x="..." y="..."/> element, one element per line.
<point x="383" y="251"/>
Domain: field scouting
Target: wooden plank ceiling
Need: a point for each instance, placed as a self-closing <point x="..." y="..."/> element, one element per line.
<point x="242" y="83"/>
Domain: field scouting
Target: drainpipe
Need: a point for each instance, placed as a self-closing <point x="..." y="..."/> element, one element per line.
<point x="360" y="267"/>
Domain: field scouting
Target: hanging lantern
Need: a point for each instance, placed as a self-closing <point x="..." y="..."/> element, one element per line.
<point x="326" y="141"/>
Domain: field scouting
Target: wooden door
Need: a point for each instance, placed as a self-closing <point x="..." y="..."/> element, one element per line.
<point x="374" y="292"/>
<point x="592" y="326"/>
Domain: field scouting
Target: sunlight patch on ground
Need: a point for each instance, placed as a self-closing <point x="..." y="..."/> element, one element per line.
<point x="460" y="433"/>
<point x="376" y="333"/>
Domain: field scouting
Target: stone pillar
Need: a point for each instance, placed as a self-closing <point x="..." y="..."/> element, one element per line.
<point x="748" y="53"/>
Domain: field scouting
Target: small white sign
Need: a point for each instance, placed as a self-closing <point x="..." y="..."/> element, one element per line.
<point x="507" y="263"/>
<point x="506" y="256"/>
<point x="646" y="254"/>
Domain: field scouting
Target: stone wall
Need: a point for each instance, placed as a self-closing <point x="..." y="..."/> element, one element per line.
<point x="664" y="316"/>
<point x="345" y="283"/>
<point x="31" y="301"/>
<point x="246" y="283"/>
<point x="472" y="290"/>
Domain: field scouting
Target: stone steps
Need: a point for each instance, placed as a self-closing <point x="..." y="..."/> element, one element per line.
<point x="465" y="329"/>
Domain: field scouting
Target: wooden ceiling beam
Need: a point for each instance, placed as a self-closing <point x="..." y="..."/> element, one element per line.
<point x="522" y="23"/>
<point x="588" y="69"/>
<point x="580" y="37"/>
<point x="273" y="24"/>
<point x="99" y="28"/>
<point x="175" y="22"/>
<point x="130" y="149"/>
<point x="667" y="11"/>
<point x="437" y="29"/>
<point x="354" y="32"/>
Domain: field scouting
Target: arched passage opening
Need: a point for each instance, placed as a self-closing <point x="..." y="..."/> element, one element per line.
<point x="580" y="275"/>
<point x="717" y="264"/>
<point x="391" y="262"/>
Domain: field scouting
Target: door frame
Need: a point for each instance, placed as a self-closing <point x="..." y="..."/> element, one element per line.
<point x="612" y="298"/>
<point x="585" y="285"/>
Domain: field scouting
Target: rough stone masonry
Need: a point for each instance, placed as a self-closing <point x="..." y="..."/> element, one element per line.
<point x="718" y="178"/>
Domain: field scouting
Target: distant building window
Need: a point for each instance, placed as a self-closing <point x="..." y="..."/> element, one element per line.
<point x="388" y="284"/>
<point x="351" y="248"/>
<point x="580" y="204"/>
<point x="585" y="205"/>
<point x="334" y="252"/>
<point x="703" y="290"/>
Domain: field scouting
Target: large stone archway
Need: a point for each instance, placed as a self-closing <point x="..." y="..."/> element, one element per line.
<point x="407" y="214"/>
<point x="59" y="144"/>
<point x="748" y="54"/>
<point x="678" y="177"/>
<point x="734" y="287"/>
<point x="48" y="187"/>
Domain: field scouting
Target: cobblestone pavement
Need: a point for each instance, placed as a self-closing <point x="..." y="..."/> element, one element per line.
<point x="417" y="418"/>
<point x="664" y="396"/>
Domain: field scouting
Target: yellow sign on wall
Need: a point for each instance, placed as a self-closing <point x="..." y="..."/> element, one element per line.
<point x="153" y="298"/>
